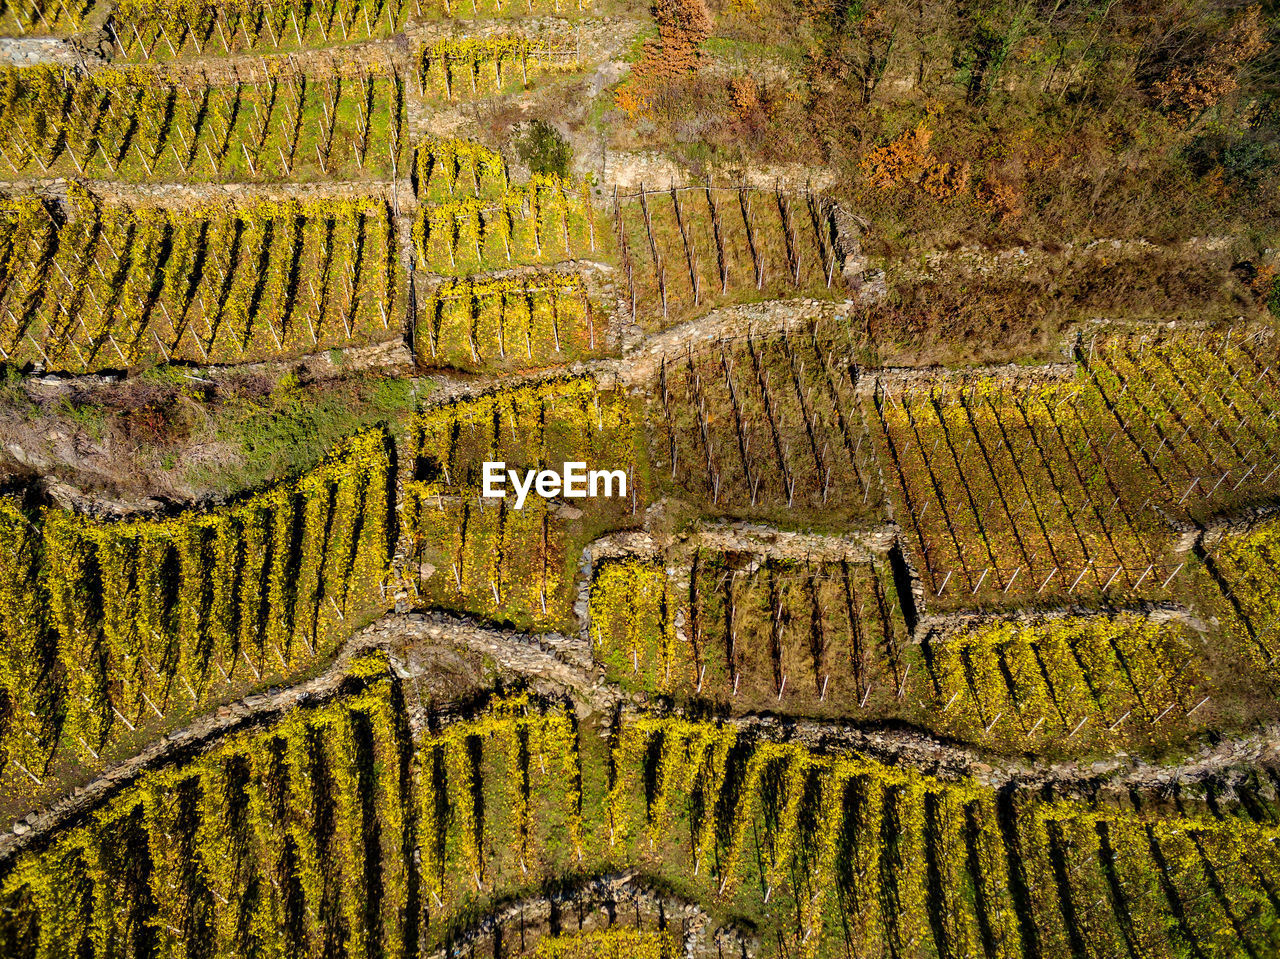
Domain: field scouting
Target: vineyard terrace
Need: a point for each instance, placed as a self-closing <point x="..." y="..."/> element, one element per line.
<point x="574" y="482"/>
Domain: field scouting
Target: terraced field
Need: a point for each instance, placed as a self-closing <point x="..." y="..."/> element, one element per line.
<point x="328" y="805"/>
<point x="1004" y="486"/>
<point x="476" y="67"/>
<point x="1245" y="565"/>
<point x="1081" y="484"/>
<point x="546" y="220"/>
<point x="686" y="249"/>
<point x="42" y="19"/>
<point x="114" y="625"/>
<point x="1070" y="677"/>
<point x="134" y="123"/>
<point x="799" y="631"/>
<point x="759" y="426"/>
<point x="151" y="31"/>
<point x="1200" y="410"/>
<point x="116" y="286"/>
<point x="1019" y="489"/>
<point x="483" y="555"/>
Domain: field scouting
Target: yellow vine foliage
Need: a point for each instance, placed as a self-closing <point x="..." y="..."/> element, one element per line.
<point x="616" y="942"/>
<point x="547" y="219"/>
<point x="518" y="320"/>
<point x="867" y="858"/>
<point x="487" y="555"/>
<point x="632" y="629"/>
<point x="190" y="279"/>
<point x="524" y="758"/>
<point x="451" y="165"/>
<point x="148" y="615"/>
<point x="1249" y="563"/>
<point x="179" y="815"/>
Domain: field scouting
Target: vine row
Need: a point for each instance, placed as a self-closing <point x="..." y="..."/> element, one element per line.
<point x="124" y="625"/>
<point x="103" y="285"/>
<point x="133" y="123"/>
<point x="332" y="825"/>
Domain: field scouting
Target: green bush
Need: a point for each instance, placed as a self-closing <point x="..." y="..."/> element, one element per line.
<point x="543" y="150"/>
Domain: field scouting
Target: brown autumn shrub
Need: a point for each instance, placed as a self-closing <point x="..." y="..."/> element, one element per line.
<point x="1001" y="198"/>
<point x="683" y="26"/>
<point x="903" y="160"/>
<point x="945" y="181"/>
<point x="1266" y="287"/>
<point x="908" y="160"/>
<point x="744" y="94"/>
<point x="1189" y="90"/>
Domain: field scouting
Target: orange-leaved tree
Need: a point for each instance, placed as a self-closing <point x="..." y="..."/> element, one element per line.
<point x="683" y="25"/>
<point x="1190" y="89"/>
<point x="909" y="160"/>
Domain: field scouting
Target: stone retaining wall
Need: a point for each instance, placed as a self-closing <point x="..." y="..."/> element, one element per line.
<point x="593" y="905"/>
